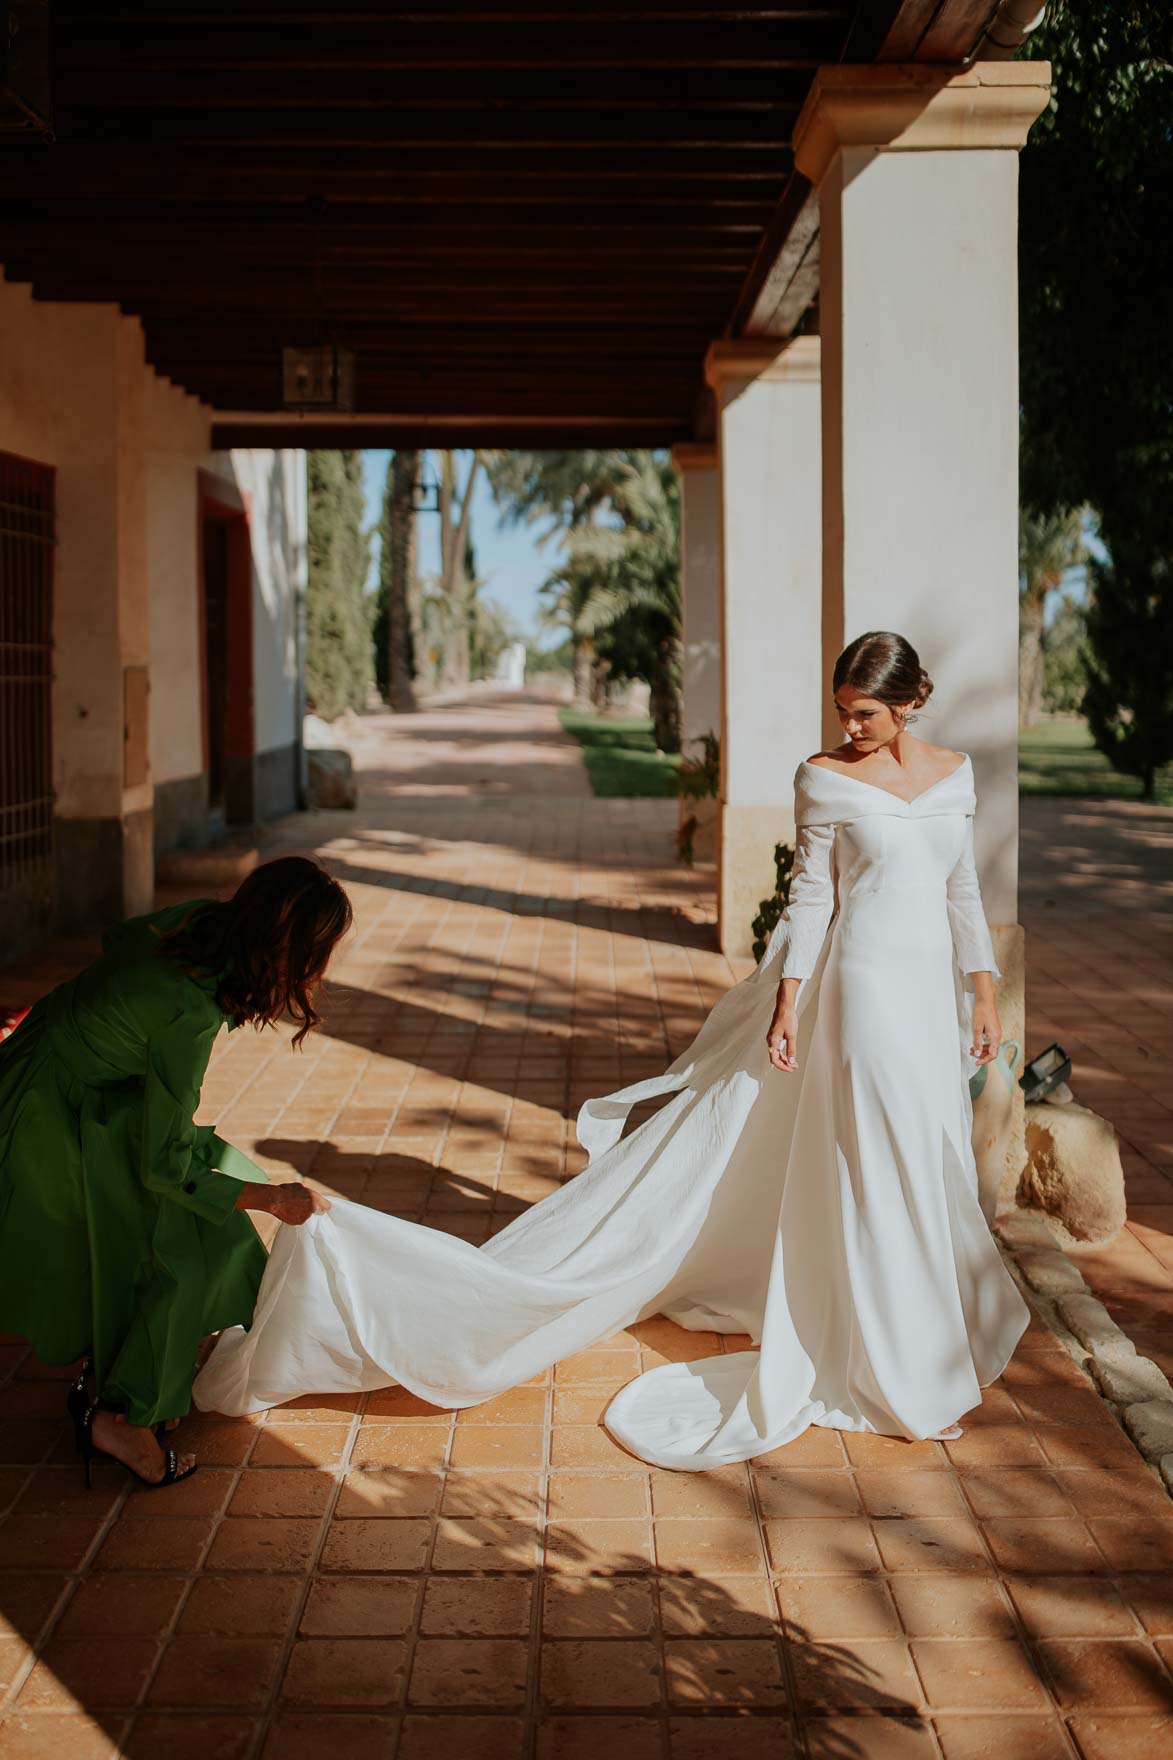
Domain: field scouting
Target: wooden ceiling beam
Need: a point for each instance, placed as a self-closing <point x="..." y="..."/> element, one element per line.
<point x="558" y="318"/>
<point x="58" y="166"/>
<point x="605" y="398"/>
<point x="172" y="46"/>
<point x="378" y="198"/>
<point x="412" y="357"/>
<point x="376" y="297"/>
<point x="487" y="428"/>
<point x="350" y="225"/>
<point x="402" y="124"/>
<point x="257" y="91"/>
<point x="472" y="337"/>
<point x="267" y="242"/>
<point x="551" y="15"/>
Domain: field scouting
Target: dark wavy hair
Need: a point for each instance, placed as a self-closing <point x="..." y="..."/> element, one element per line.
<point x="885" y="666"/>
<point x="269" y="945"/>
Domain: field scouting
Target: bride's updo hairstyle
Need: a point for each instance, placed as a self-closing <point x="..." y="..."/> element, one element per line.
<point x="885" y="666"/>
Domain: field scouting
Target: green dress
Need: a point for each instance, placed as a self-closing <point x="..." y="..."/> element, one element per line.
<point x="119" y="1234"/>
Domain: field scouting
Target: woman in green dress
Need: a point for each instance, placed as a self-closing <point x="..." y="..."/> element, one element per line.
<point x="123" y="1234"/>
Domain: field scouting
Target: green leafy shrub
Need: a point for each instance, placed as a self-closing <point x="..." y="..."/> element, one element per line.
<point x="770" y="909"/>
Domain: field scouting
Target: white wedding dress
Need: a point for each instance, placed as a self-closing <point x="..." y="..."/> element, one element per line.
<point x="831" y="1213"/>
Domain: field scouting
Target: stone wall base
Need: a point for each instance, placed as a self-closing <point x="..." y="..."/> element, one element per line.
<point x="181" y="814"/>
<point x="746" y="838"/>
<point x="105" y="870"/>
<point x="276" y="781"/>
<point x="706" y="814"/>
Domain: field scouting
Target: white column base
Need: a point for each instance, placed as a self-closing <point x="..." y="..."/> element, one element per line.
<point x="745" y="869"/>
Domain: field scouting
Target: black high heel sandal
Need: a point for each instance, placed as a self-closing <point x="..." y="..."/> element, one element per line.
<point x="77" y="1402"/>
<point x="89" y="1454"/>
<point x="78" y="1397"/>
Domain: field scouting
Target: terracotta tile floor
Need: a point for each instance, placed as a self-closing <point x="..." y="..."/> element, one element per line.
<point x="376" y="1578"/>
<point x="1098" y="909"/>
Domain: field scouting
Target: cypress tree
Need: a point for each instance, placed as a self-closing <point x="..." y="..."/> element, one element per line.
<point x="338" y="634"/>
<point x="1129" y="696"/>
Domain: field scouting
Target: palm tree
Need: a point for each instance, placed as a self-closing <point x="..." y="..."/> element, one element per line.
<point x="397" y="571"/>
<point x="564" y="488"/>
<point x="1049" y="545"/>
<point x="619" y="588"/>
<point x="568" y="595"/>
<point x="455" y="583"/>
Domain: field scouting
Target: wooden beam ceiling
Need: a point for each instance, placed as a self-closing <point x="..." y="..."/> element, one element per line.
<point x="533" y="217"/>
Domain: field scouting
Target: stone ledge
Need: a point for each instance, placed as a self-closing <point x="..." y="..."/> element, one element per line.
<point x="1136" y="1388"/>
<point x="1150" y="1424"/>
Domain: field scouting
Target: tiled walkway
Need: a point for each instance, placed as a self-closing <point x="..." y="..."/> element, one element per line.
<point x="1098" y="909"/>
<point x="378" y="1580"/>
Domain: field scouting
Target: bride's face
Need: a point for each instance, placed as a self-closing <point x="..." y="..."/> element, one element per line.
<point x="868" y="723"/>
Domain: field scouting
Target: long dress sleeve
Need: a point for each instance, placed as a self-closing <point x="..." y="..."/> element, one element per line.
<point x="177" y="1057"/>
<point x="967" y="920"/>
<point x="798" y="938"/>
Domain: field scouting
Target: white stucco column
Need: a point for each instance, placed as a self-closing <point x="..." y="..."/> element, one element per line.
<point x="768" y="415"/>
<point x="700" y="594"/>
<point x="71" y="379"/>
<point x="917" y="175"/>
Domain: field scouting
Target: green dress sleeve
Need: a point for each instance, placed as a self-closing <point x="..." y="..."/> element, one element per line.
<point x="177" y="1058"/>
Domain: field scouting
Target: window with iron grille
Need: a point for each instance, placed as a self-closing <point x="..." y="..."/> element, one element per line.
<point x="26" y="676"/>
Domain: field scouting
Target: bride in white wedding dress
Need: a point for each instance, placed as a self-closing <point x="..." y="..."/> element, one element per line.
<point x="809" y="1179"/>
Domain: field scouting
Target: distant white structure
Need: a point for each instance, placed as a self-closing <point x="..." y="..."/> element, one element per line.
<point x="511" y="667"/>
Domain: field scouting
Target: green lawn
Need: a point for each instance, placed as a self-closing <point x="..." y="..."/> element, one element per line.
<point x="620" y="756"/>
<point x="1058" y="757"/>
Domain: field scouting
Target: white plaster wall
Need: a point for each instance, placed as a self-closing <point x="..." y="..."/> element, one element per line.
<point x="134" y="607"/>
<point x="920" y="362"/>
<point x="273" y="484"/>
<point x="177" y="428"/>
<point x="700" y="556"/>
<point x="59" y="392"/>
<point x="76" y="393"/>
<point x="771" y="581"/>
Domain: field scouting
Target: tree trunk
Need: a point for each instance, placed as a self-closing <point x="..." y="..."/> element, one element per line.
<point x="664" y="701"/>
<point x="453" y="544"/>
<point x="1030" y="657"/>
<point x="599" y="693"/>
<point x="1149" y="783"/>
<point x="400" y="538"/>
<point x="584" y="661"/>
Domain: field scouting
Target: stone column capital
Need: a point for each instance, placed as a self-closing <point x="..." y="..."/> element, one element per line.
<point x="767" y="358"/>
<point x="918" y="107"/>
<point x="694" y="455"/>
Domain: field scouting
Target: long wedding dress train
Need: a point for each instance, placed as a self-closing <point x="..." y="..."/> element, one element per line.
<point x="832" y="1213"/>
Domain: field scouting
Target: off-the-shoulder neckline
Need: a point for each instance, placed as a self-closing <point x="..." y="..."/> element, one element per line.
<point x="905" y="801"/>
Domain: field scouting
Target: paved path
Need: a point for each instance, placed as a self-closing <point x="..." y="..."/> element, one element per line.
<point x="1097" y="903"/>
<point x="377" y="1578"/>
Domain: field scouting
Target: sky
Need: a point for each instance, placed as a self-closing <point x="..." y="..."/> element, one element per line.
<point x="509" y="562"/>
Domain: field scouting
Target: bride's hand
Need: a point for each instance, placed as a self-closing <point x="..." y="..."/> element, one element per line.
<point x="782" y="1039"/>
<point x="289" y="1202"/>
<point x="987" y="1032"/>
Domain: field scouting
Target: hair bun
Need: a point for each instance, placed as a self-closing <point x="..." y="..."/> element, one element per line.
<point x="885" y="666"/>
